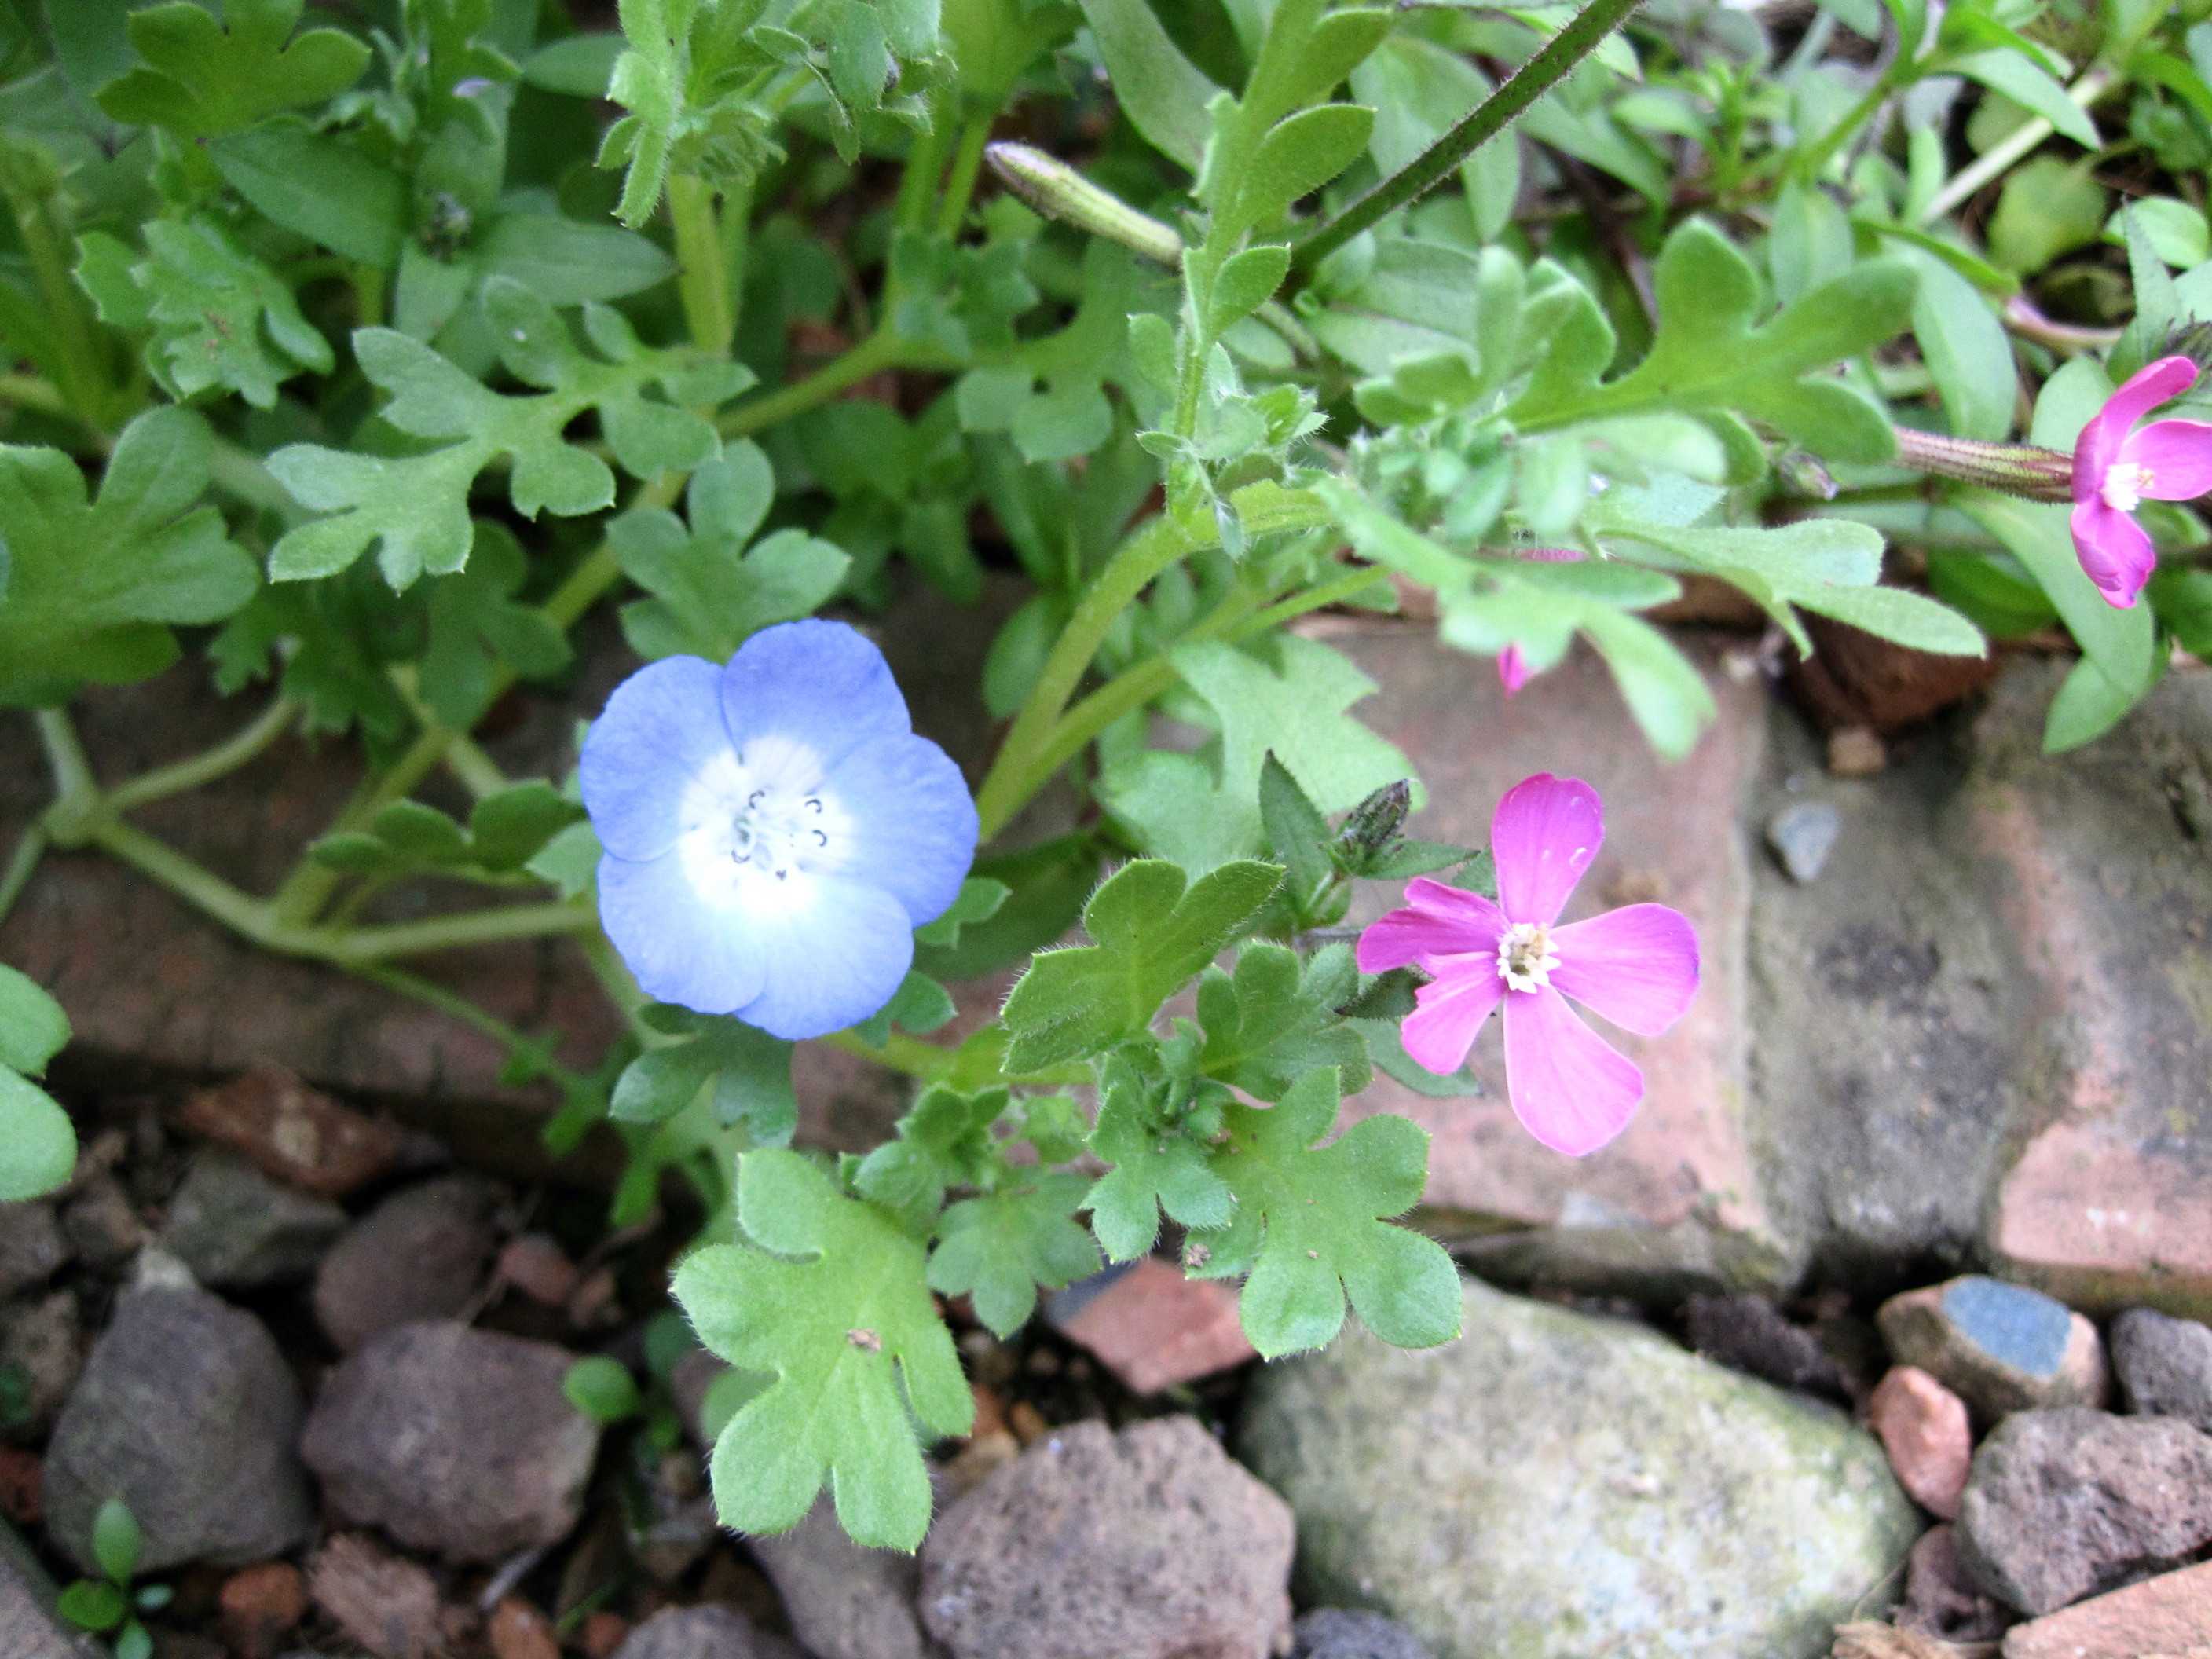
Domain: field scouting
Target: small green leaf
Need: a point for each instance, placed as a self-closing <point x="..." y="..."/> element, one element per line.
<point x="1298" y="834"/>
<point x="204" y="79"/>
<point x="38" y="1146"/>
<point x="116" y="1542"/>
<point x="1156" y="1167"/>
<point x="944" y="1141"/>
<point x="1164" y="94"/>
<point x="570" y="860"/>
<point x="1300" y="154"/>
<point x="319" y="186"/>
<point x="32" y="1027"/>
<point x="603" y="1389"/>
<point x="1274" y="1020"/>
<point x="91" y="1605"/>
<point x="1245" y="283"/>
<point x="999" y="1248"/>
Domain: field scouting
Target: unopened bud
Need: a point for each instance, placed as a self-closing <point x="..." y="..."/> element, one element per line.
<point x="1373" y="824"/>
<point x="2027" y="470"/>
<point x="1059" y="191"/>
<point x="2192" y="340"/>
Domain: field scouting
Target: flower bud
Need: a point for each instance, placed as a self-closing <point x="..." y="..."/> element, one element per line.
<point x="1059" y="191"/>
<point x="1373" y="824"/>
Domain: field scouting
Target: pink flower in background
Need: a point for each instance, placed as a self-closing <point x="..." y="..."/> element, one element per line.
<point x="1636" y="967"/>
<point x="2116" y="468"/>
<point x="1512" y="669"/>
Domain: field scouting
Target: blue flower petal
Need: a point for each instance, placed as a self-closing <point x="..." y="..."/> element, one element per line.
<point x="834" y="958"/>
<point x="822" y="684"/>
<point x="661" y="731"/>
<point x="913" y="823"/>
<point x="681" y="948"/>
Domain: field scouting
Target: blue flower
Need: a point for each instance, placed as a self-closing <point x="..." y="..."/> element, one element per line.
<point x="774" y="831"/>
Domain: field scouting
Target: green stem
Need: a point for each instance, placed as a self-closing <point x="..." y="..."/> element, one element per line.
<point x="2092" y="85"/>
<point x="457" y="1007"/>
<point x="1580" y="37"/>
<point x="77" y="789"/>
<point x="702" y="281"/>
<point x="1808" y="163"/>
<point x="29" y="392"/>
<point x="411" y="938"/>
<point x="924" y="163"/>
<point x="881" y="350"/>
<point x="224" y="758"/>
<point x="30" y="847"/>
<point x="250" y="918"/>
<point x="967" y="164"/>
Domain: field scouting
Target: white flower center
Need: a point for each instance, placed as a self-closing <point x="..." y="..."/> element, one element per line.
<point x="2125" y="484"/>
<point x="1525" y="956"/>
<point x="758" y="828"/>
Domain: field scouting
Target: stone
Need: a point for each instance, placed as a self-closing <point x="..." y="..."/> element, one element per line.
<point x="2000" y="1347"/>
<point x="1147" y="1544"/>
<point x="2164" y="1366"/>
<point x="452" y="1440"/>
<point x="1566" y="1477"/>
<point x="389" y="1606"/>
<point x="423" y="1253"/>
<point x="1151" y="1326"/>
<point x="1856" y="752"/>
<point x="1924" y="1428"/>
<point x="703" y="1632"/>
<point x="261" y="1606"/>
<point x="238" y="1230"/>
<point x="2171" y="1613"/>
<point x="1338" y="1633"/>
<point x="1673" y="1205"/>
<point x="536" y="1266"/>
<point x="1803" y="835"/>
<point x="42" y="1350"/>
<point x="103" y="1228"/>
<point x="519" y="1631"/>
<point x="187" y="1412"/>
<point x="28" y="1626"/>
<point x="294" y="1134"/>
<point x="1941" y="1599"/>
<point x="1749" y="1334"/>
<point x="2068" y="1502"/>
<point x="843" y="1601"/>
<point x="32" y="1248"/>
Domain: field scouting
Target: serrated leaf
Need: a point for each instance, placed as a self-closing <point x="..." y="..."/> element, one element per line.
<point x="832" y="1297"/>
<point x="1156" y="1166"/>
<point x="1710" y="353"/>
<point x="203" y="78"/>
<point x="1274" y="1020"/>
<point x="1310" y="1228"/>
<point x="1154" y="928"/>
<point x="1297" y="835"/>
<point x="93" y="588"/>
<point x="944" y="1140"/>
<point x="999" y="1248"/>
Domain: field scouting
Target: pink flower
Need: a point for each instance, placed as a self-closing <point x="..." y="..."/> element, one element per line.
<point x="2116" y="467"/>
<point x="1512" y="669"/>
<point x="1636" y="967"/>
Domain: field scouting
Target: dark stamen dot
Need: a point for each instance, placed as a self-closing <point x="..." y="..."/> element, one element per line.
<point x="821" y="839"/>
<point x="753" y="799"/>
<point x="813" y="803"/>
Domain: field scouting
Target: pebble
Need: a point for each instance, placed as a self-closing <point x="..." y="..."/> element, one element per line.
<point x="238" y="1230"/>
<point x="2000" y="1347"/>
<point x="423" y="1253"/>
<point x="2164" y="1366"/>
<point x="1749" y="1334"/>
<point x="519" y="1631"/>
<point x="2067" y="1503"/>
<point x="538" y="1267"/>
<point x="1147" y="1544"/>
<point x="1941" y="1599"/>
<point x="27" y="1631"/>
<point x="186" y="1412"/>
<point x="261" y="1606"/>
<point x="843" y="1601"/>
<point x="102" y="1226"/>
<point x="452" y="1440"/>
<point x="601" y="1634"/>
<point x="703" y="1632"/>
<point x="1856" y="752"/>
<point x="2170" y="1614"/>
<point x="1803" y="835"/>
<point x="1339" y="1633"/>
<point x="387" y="1605"/>
<point x="1923" y="1427"/>
<point x="31" y="1247"/>
<point x="41" y="1344"/>
<point x="1151" y="1326"/>
<point x="297" y="1134"/>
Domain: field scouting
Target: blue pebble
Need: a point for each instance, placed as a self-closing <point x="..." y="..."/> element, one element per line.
<point x="2014" y="1326"/>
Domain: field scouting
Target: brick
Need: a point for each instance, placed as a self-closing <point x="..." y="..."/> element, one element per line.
<point x="1150" y="1327"/>
<point x="2171" y="1613"/>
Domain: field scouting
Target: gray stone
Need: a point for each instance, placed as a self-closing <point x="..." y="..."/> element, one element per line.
<point x="1999" y="1347"/>
<point x="2068" y="1502"/>
<point x="843" y="1601"/>
<point x="28" y="1627"/>
<point x="100" y="1225"/>
<point x="238" y="1230"/>
<point x="2164" y="1365"/>
<point x="32" y="1248"/>
<point x="423" y="1253"/>
<point x="187" y="1412"/>
<point x="452" y="1440"/>
<point x="1554" y="1485"/>
<point x="1749" y="1334"/>
<point x="1148" y="1544"/>
<point x="1803" y="835"/>
<point x="1941" y="1599"/>
<point x="703" y="1632"/>
<point x="42" y="1352"/>
<point x="1337" y="1633"/>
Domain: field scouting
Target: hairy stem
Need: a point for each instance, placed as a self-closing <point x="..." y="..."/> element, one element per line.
<point x="1580" y="37"/>
<point x="702" y="282"/>
<point x="960" y="184"/>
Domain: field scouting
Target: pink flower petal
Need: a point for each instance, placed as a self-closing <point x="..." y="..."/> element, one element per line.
<point x="1512" y="669"/>
<point x="2114" y="550"/>
<point x="2176" y="455"/>
<point x="1637" y="966"/>
<point x="1438" y="921"/>
<point x="2099" y="445"/>
<point x="1543" y="837"/>
<point x="1439" y="1032"/>
<point x="1569" y="1088"/>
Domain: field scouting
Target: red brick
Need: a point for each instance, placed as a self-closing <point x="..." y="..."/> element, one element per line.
<point x="2170" y="1614"/>
<point x="1152" y="1328"/>
<point x="1924" y="1428"/>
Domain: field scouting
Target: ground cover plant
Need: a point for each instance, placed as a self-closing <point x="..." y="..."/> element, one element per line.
<point x="361" y="354"/>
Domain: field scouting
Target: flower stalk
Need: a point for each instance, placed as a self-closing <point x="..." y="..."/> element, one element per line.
<point x="2024" y="469"/>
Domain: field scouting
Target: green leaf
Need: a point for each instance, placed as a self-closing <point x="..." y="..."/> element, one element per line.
<point x="478" y="623"/>
<point x="91" y="1605"/>
<point x="570" y="860"/>
<point x="603" y="1389"/>
<point x="1299" y="155"/>
<point x="1164" y="94"/>
<point x="980" y="898"/>
<point x="1902" y="617"/>
<point x="1418" y="91"/>
<point x="710" y="592"/>
<point x="2176" y="231"/>
<point x="2047" y="209"/>
<point x="1247" y="281"/>
<point x="511" y="826"/>
<point x="750" y="1070"/>
<point x="1297" y="835"/>
<point x="2088" y="705"/>
<point x="1711" y="354"/>
<point x="2032" y="87"/>
<point x="32" y="1027"/>
<point x="2183" y="601"/>
<point x="566" y="262"/>
<point x="999" y="1248"/>
<point x="417" y="506"/>
<point x="944" y="1141"/>
<point x="92" y="590"/>
<point x="1310" y="1228"/>
<point x="324" y="189"/>
<point x="1156" y="1166"/>
<point x="831" y="1297"/>
<point x="1154" y="929"/>
<point x="1965" y="348"/>
<point x="116" y="1542"/>
<point x="203" y="79"/>
<point x="38" y="1146"/>
<point x="1274" y="1020"/>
